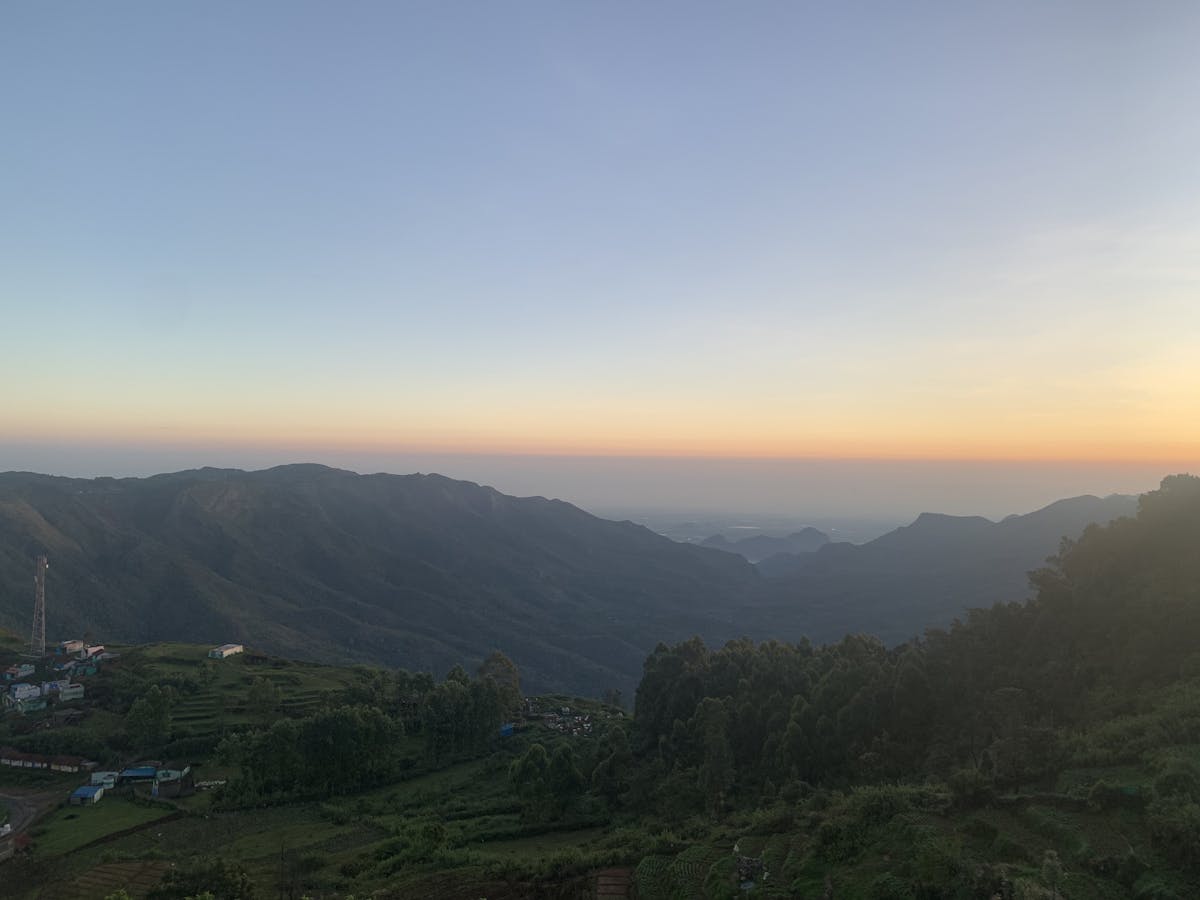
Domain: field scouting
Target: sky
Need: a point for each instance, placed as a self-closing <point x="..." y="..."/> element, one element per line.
<point x="562" y="241"/>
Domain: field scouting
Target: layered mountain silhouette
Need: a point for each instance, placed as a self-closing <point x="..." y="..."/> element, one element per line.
<point x="760" y="546"/>
<point x="926" y="573"/>
<point x="425" y="572"/>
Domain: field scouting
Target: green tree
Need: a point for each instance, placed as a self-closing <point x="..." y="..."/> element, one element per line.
<point x="716" y="773"/>
<point x="445" y="719"/>
<point x="610" y="778"/>
<point x="527" y="777"/>
<point x="263" y="698"/>
<point x="564" y="780"/>
<point x="216" y="878"/>
<point x="503" y="671"/>
<point x="149" y="718"/>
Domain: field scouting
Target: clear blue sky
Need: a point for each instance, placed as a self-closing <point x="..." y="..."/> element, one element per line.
<point x="721" y="229"/>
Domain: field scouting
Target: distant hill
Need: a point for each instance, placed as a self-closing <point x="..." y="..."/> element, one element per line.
<point x="424" y="572"/>
<point x="760" y="546"/>
<point x="925" y="573"/>
<point x="418" y="571"/>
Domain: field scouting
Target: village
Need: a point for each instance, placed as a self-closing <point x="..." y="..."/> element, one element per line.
<point x="554" y="714"/>
<point x="33" y="685"/>
<point x="43" y="693"/>
<point x="68" y="744"/>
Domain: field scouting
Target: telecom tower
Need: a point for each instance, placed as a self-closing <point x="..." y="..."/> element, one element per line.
<point x="37" y="643"/>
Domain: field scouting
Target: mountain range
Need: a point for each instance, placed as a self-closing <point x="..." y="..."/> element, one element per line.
<point x="425" y="572"/>
<point x="926" y="573"/>
<point x="761" y="546"/>
<point x="418" y="571"/>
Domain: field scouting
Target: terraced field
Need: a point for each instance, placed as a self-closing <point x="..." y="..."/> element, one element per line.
<point x="136" y="878"/>
<point x="217" y="693"/>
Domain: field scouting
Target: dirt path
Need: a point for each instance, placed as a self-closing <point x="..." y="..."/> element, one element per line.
<point x="27" y="805"/>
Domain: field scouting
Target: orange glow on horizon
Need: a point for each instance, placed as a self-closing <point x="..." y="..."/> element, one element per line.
<point x="314" y="442"/>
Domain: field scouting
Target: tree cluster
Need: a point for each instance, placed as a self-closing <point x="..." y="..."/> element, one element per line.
<point x="1116" y="610"/>
<point x="547" y="784"/>
<point x="333" y="752"/>
<point x="358" y="745"/>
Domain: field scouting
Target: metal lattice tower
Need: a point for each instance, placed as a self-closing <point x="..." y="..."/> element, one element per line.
<point x="37" y="643"/>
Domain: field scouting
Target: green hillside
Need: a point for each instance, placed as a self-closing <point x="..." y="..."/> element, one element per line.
<point x="1046" y="750"/>
<point x="309" y="562"/>
<point x="424" y="572"/>
<point x="435" y="797"/>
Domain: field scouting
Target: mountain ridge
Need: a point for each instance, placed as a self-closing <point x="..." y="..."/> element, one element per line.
<point x="450" y="568"/>
<point x="425" y="572"/>
<point x="930" y="571"/>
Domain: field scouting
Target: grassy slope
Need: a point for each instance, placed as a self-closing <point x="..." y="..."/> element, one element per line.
<point x="358" y="843"/>
<point x="72" y="827"/>
<point x="374" y="840"/>
<point x="222" y="702"/>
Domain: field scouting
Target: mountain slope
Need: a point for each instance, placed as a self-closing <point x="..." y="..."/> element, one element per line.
<point x="424" y="572"/>
<point x="760" y="546"/>
<point x="417" y="571"/>
<point x="925" y="573"/>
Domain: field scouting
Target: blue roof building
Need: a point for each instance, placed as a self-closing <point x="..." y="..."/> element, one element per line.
<point x="87" y="795"/>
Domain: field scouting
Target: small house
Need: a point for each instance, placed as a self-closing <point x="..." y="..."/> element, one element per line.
<point x="67" y="648"/>
<point x="136" y="774"/>
<point x="225" y="651"/>
<point x="91" y="652"/>
<point x="18" y="760"/>
<point x="25" y="691"/>
<point x="174" y="783"/>
<point x="71" y="692"/>
<point x="18" y="671"/>
<point x="66" y="763"/>
<point x="88" y="795"/>
<point x="105" y="779"/>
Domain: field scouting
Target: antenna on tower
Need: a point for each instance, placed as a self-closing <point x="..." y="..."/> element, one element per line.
<point x="37" y="643"/>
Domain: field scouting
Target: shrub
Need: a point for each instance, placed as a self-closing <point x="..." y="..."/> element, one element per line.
<point x="1179" y="778"/>
<point x="1175" y="828"/>
<point x="1104" y="796"/>
<point x="1010" y="850"/>
<point x="970" y="788"/>
<point x="980" y="830"/>
<point x="1150" y="887"/>
<point x="890" y="887"/>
